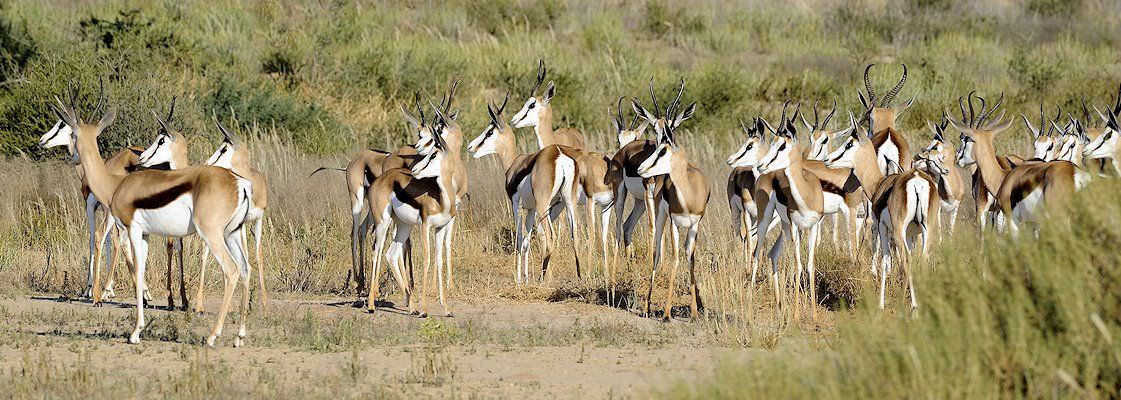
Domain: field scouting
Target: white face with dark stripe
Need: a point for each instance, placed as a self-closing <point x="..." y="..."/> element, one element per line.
<point x="429" y="166"/>
<point x="749" y="154"/>
<point x="658" y="163"/>
<point x="486" y="143"/>
<point x="424" y="144"/>
<point x="777" y="157"/>
<point x="844" y="156"/>
<point x="1070" y="149"/>
<point x="819" y="146"/>
<point x="1044" y="147"/>
<point x="1104" y="146"/>
<point x="223" y="157"/>
<point x="158" y="152"/>
<point x="58" y="135"/>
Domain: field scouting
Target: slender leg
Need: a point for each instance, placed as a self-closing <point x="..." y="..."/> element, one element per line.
<point x="238" y="252"/>
<point x="442" y="235"/>
<point x="659" y="221"/>
<point x="202" y="279"/>
<point x="605" y="221"/>
<point x="427" y="243"/>
<point x="380" y="230"/>
<point x="170" y="245"/>
<point x="139" y="252"/>
<point x="95" y="250"/>
<point x="815" y="232"/>
<point x="358" y="226"/>
<point x="257" y="233"/>
<point x="590" y="207"/>
<point x="570" y="209"/>
<point x="221" y="245"/>
<point x="97" y="292"/>
<point x="691" y="252"/>
<point x="676" y="239"/>
<point x="517" y="242"/>
<point x="182" y="275"/>
<point x="448" y="252"/>
<point x="113" y="255"/>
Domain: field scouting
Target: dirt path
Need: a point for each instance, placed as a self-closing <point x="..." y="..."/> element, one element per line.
<point x="323" y="347"/>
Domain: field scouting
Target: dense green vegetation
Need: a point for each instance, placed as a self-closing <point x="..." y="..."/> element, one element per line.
<point x="327" y="76"/>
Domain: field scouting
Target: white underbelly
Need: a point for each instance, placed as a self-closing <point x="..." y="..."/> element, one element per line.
<point x="602" y="198"/>
<point x="254" y="214"/>
<point x="834" y="203"/>
<point x="171" y="220"/>
<point x="685" y="220"/>
<point x="805" y="219"/>
<point x="439" y="220"/>
<point x="403" y="212"/>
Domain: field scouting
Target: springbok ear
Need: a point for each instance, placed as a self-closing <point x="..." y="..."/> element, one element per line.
<point x="106" y="120"/>
<point x="1033" y="131"/>
<point x="903" y="107"/>
<point x="550" y="91"/>
<point x="809" y="126"/>
<point x="960" y="126"/>
<point x="453" y="115"/>
<point x="686" y="114"/>
<point x="643" y="112"/>
<point x="1002" y="126"/>
<point x="615" y="122"/>
<point x="414" y="123"/>
<point x="864" y="102"/>
<point x="641" y="128"/>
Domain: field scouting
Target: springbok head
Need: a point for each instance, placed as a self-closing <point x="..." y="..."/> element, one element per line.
<point x="819" y="136"/>
<point x="754" y="147"/>
<point x="61" y="134"/>
<point x="448" y="129"/>
<point x="855" y="145"/>
<point x="1105" y="145"/>
<point x="627" y="132"/>
<point x="784" y="146"/>
<point x="431" y="165"/>
<point x="1044" y="140"/>
<point x="81" y="133"/>
<point x="496" y="131"/>
<point x="669" y="152"/>
<point x="978" y="127"/>
<point x="882" y="115"/>
<point x="664" y="124"/>
<point x="537" y="103"/>
<point x="227" y="153"/>
<point x="933" y="158"/>
<point x="1071" y="141"/>
<point x="169" y="144"/>
<point x="418" y="123"/>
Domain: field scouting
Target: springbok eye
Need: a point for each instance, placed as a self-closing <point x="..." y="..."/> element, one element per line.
<point x="531" y="105"/>
<point x="749" y="146"/>
<point x="782" y="147"/>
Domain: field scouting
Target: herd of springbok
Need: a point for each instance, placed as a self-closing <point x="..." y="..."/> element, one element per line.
<point x="788" y="175"/>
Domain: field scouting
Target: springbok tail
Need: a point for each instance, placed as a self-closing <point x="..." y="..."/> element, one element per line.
<point x="325" y="168"/>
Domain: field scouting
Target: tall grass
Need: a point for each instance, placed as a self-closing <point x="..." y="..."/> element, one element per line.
<point x="1009" y="318"/>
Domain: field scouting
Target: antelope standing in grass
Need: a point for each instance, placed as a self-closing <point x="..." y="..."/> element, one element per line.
<point x="210" y="201"/>
<point x="539" y="182"/>
<point x="538" y="113"/>
<point x="984" y="197"/>
<point x="121" y="163"/>
<point x="169" y="151"/>
<point x="422" y="195"/>
<point x="1024" y="191"/>
<point x="366" y="166"/>
<point x="891" y="146"/>
<point x="683" y="198"/>
<point x="951" y="185"/>
<point x="171" y="148"/>
<point x="742" y="184"/>
<point x="1044" y="141"/>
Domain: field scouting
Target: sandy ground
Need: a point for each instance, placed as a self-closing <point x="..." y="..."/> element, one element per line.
<point x="39" y="327"/>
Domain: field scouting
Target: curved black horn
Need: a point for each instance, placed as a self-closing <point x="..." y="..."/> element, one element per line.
<point x="825" y="122"/>
<point x="419" y="109"/>
<point x="895" y="90"/>
<point x="619" y="112"/>
<point x="451" y="94"/>
<point x="868" y="86"/>
<point x="505" y="98"/>
<point x="969" y="97"/>
<point x="992" y="109"/>
<point x="171" y="110"/>
<point x="540" y="77"/>
<point x="1086" y="112"/>
<point x="657" y="111"/>
<point x="980" y="114"/>
<point x="676" y="101"/>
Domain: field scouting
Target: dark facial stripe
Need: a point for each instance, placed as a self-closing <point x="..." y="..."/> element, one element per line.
<point x="163" y="198"/>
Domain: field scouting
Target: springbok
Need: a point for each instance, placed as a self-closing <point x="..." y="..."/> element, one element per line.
<point x="951" y="185"/>
<point x="366" y="166"/>
<point x="905" y="205"/>
<point x="169" y="151"/>
<point x="208" y="200"/>
<point x="984" y="197"/>
<point x="1025" y="190"/>
<point x="742" y="184"/>
<point x="538" y="113"/>
<point x="124" y="161"/>
<point x="422" y="195"/>
<point x="540" y="182"/>
<point x="683" y="197"/>
<point x="170" y="148"/>
<point x="890" y="144"/>
<point x="1044" y="143"/>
